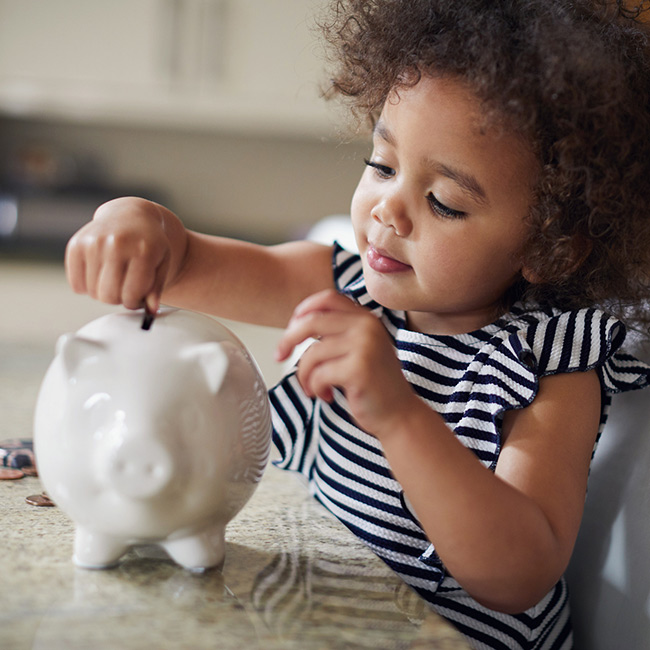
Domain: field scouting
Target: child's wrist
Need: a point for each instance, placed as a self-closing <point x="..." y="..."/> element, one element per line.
<point x="412" y="416"/>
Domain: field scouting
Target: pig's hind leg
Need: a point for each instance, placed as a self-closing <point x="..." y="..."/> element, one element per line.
<point x="202" y="550"/>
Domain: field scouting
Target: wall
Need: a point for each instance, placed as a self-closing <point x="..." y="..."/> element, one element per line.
<point x="262" y="188"/>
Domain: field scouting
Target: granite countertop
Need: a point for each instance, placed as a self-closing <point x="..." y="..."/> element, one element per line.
<point x="293" y="578"/>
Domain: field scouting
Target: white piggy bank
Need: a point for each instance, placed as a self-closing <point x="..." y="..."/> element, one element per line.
<point x="151" y="436"/>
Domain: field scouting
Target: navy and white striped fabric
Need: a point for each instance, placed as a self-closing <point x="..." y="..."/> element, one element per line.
<point x="470" y="379"/>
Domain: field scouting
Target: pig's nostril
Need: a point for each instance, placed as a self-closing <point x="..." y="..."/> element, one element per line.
<point x="154" y="470"/>
<point x="140" y="468"/>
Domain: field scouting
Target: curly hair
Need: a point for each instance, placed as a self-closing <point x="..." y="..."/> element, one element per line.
<point x="573" y="78"/>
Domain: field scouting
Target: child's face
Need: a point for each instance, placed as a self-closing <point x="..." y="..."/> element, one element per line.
<point x="439" y="211"/>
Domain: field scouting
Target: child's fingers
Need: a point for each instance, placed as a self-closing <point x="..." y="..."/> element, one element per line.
<point x="316" y="362"/>
<point x="138" y="282"/>
<point x="326" y="300"/>
<point x="75" y="270"/>
<point x="93" y="270"/>
<point x="314" y="324"/>
<point x="143" y="283"/>
<point x="292" y="337"/>
<point x="317" y="316"/>
<point x="153" y="298"/>
<point x="109" y="282"/>
<point x="152" y="302"/>
<point x="318" y="384"/>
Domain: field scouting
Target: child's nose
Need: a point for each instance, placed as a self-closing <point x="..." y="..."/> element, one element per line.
<point x="392" y="213"/>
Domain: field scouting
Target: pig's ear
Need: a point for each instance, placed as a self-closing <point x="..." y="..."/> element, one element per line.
<point x="213" y="362"/>
<point x="74" y="349"/>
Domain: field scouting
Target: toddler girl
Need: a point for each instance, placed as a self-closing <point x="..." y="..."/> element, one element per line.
<point x="464" y="360"/>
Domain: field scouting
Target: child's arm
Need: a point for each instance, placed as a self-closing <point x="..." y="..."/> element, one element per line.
<point x="506" y="536"/>
<point x="135" y="250"/>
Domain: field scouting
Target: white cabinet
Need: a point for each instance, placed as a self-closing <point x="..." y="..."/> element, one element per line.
<point x="249" y="65"/>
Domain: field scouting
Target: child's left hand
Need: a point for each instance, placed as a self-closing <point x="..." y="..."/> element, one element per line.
<point x="353" y="352"/>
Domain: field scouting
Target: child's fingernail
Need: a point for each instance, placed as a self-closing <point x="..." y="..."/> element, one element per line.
<point x="151" y="303"/>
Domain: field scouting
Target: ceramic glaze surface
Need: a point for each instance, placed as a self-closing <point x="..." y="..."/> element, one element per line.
<point x="151" y="436"/>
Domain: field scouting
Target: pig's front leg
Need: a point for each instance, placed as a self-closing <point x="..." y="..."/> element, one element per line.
<point x="202" y="550"/>
<point x="93" y="550"/>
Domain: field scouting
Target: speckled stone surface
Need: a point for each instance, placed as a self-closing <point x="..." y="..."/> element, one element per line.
<point x="293" y="578"/>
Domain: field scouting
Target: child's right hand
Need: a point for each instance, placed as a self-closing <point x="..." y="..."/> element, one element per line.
<point x="127" y="254"/>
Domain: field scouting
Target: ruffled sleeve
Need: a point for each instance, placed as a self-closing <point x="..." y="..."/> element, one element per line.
<point x="505" y="371"/>
<point x="581" y="340"/>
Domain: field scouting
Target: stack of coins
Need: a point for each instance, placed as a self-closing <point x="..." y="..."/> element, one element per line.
<point x="17" y="453"/>
<point x="17" y="461"/>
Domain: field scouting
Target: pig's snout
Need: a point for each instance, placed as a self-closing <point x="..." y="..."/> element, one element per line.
<point x="140" y="469"/>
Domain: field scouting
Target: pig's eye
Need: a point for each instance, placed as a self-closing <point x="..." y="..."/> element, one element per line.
<point x="96" y="412"/>
<point x="96" y="401"/>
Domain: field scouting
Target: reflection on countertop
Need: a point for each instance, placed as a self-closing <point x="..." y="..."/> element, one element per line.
<point x="293" y="578"/>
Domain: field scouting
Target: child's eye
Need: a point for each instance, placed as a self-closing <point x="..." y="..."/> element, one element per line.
<point x="442" y="210"/>
<point x="383" y="171"/>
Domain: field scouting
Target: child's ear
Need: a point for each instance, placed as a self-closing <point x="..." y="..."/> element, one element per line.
<point x="530" y="276"/>
<point x="567" y="260"/>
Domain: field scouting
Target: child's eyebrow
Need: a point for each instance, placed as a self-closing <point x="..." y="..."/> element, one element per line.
<point x="467" y="182"/>
<point x="381" y="130"/>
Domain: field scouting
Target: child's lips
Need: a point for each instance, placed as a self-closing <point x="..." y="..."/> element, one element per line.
<point x="379" y="261"/>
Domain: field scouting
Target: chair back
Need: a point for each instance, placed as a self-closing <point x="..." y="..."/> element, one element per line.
<point x="609" y="573"/>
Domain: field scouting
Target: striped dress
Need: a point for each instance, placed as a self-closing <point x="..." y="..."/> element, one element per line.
<point x="470" y="379"/>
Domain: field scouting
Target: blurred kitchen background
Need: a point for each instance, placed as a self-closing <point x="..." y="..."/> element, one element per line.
<point x="211" y="107"/>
